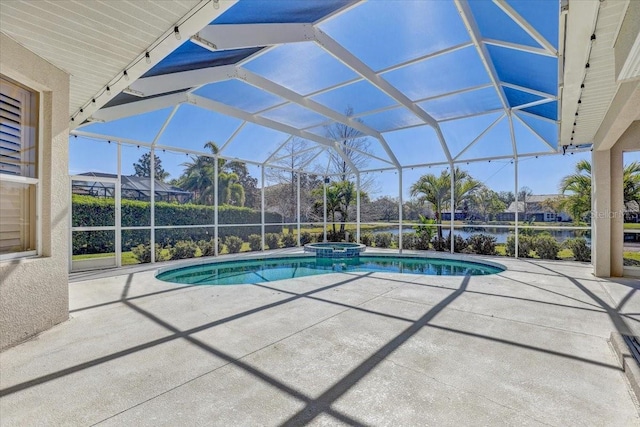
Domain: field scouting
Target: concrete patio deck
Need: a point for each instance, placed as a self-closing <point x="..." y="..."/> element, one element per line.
<point x="527" y="346"/>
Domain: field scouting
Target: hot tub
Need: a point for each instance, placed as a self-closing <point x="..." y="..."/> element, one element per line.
<point x="335" y="249"/>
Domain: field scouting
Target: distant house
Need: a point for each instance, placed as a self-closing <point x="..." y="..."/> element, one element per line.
<point x="459" y="215"/>
<point x="536" y="208"/>
<point x="132" y="188"/>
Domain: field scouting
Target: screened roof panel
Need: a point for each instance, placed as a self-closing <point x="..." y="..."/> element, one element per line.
<point x="417" y="49"/>
<point x="544" y="128"/>
<point x="441" y="74"/>
<point x="255" y="143"/>
<point x="190" y="56"/>
<point x="295" y="115"/>
<point x="460" y="133"/>
<point x="526" y="141"/>
<point x="283" y="12"/>
<point x="383" y="34"/>
<point x="392" y="119"/>
<point x="548" y="110"/>
<point x="358" y="97"/>
<point x="542" y="15"/>
<point x="525" y="69"/>
<point x="141" y="127"/>
<point x="302" y="67"/>
<point x="124" y="98"/>
<point x="494" y="143"/>
<point x="417" y="145"/>
<point x="495" y="24"/>
<point x="239" y="95"/>
<point x="463" y="104"/>
<point x="192" y="127"/>
<point x="517" y="97"/>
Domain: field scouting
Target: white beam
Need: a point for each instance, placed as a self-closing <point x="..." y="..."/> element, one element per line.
<point x="236" y="36"/>
<point x="474" y="32"/>
<point x="529" y="90"/>
<point x="281" y="91"/>
<point x="515" y="16"/>
<point x="280" y="147"/>
<point x="202" y="14"/>
<point x="262" y="121"/>
<point x="520" y="47"/>
<point x="164" y="126"/>
<point x="532" y="104"/>
<point x="140" y="107"/>
<point x="233" y="135"/>
<point x="183" y="80"/>
<point x="347" y="58"/>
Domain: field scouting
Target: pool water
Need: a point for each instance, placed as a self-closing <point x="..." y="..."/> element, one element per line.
<point x="271" y="269"/>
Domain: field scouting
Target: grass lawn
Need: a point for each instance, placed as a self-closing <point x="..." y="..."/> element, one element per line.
<point x="127" y="257"/>
<point x="632" y="255"/>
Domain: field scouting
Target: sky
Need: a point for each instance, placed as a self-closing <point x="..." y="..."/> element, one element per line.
<point x="381" y="37"/>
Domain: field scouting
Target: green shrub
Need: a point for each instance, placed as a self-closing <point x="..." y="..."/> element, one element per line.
<point x="184" y="249"/>
<point x="336" y="236"/>
<point x="409" y="240"/>
<point x="440" y="244"/>
<point x="233" y="244"/>
<point x="426" y="230"/>
<point x="289" y="240"/>
<point x="581" y="251"/>
<point x="143" y="253"/>
<point x="383" y="240"/>
<point x="272" y="240"/>
<point x="482" y="244"/>
<point x="207" y="247"/>
<point x="546" y="246"/>
<point x="366" y="238"/>
<point x="525" y="246"/>
<point x="459" y="243"/>
<point x="255" y="242"/>
<point x="305" y="237"/>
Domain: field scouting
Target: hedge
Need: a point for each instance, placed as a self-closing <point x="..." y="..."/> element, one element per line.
<point x="91" y="211"/>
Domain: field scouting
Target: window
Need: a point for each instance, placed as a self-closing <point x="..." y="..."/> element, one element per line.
<point x="18" y="170"/>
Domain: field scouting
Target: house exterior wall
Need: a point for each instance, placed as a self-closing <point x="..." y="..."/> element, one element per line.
<point x="608" y="204"/>
<point x="34" y="292"/>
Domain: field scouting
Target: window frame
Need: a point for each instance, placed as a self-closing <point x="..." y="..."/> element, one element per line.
<point x="35" y="108"/>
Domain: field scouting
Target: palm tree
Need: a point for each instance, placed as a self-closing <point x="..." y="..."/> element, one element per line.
<point x="436" y="190"/>
<point x="199" y="177"/>
<point x="578" y="186"/>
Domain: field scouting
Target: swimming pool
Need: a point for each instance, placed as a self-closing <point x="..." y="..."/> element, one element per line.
<point x="270" y="269"/>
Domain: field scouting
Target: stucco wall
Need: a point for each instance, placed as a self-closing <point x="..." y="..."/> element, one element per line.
<point x="34" y="292"/>
<point x="608" y="231"/>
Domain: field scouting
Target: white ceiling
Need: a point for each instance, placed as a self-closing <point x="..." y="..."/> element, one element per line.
<point x="91" y="40"/>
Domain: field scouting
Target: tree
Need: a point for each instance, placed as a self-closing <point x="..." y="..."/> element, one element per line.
<point x="436" y="190"/>
<point x="199" y="178"/>
<point x="506" y="197"/>
<point x="340" y="195"/>
<point x="354" y="146"/>
<point x="577" y="187"/>
<point x="252" y="194"/>
<point x="487" y="203"/>
<point x="292" y="156"/>
<point x="143" y="167"/>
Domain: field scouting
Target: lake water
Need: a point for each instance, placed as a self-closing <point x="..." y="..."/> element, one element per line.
<point x="500" y="234"/>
